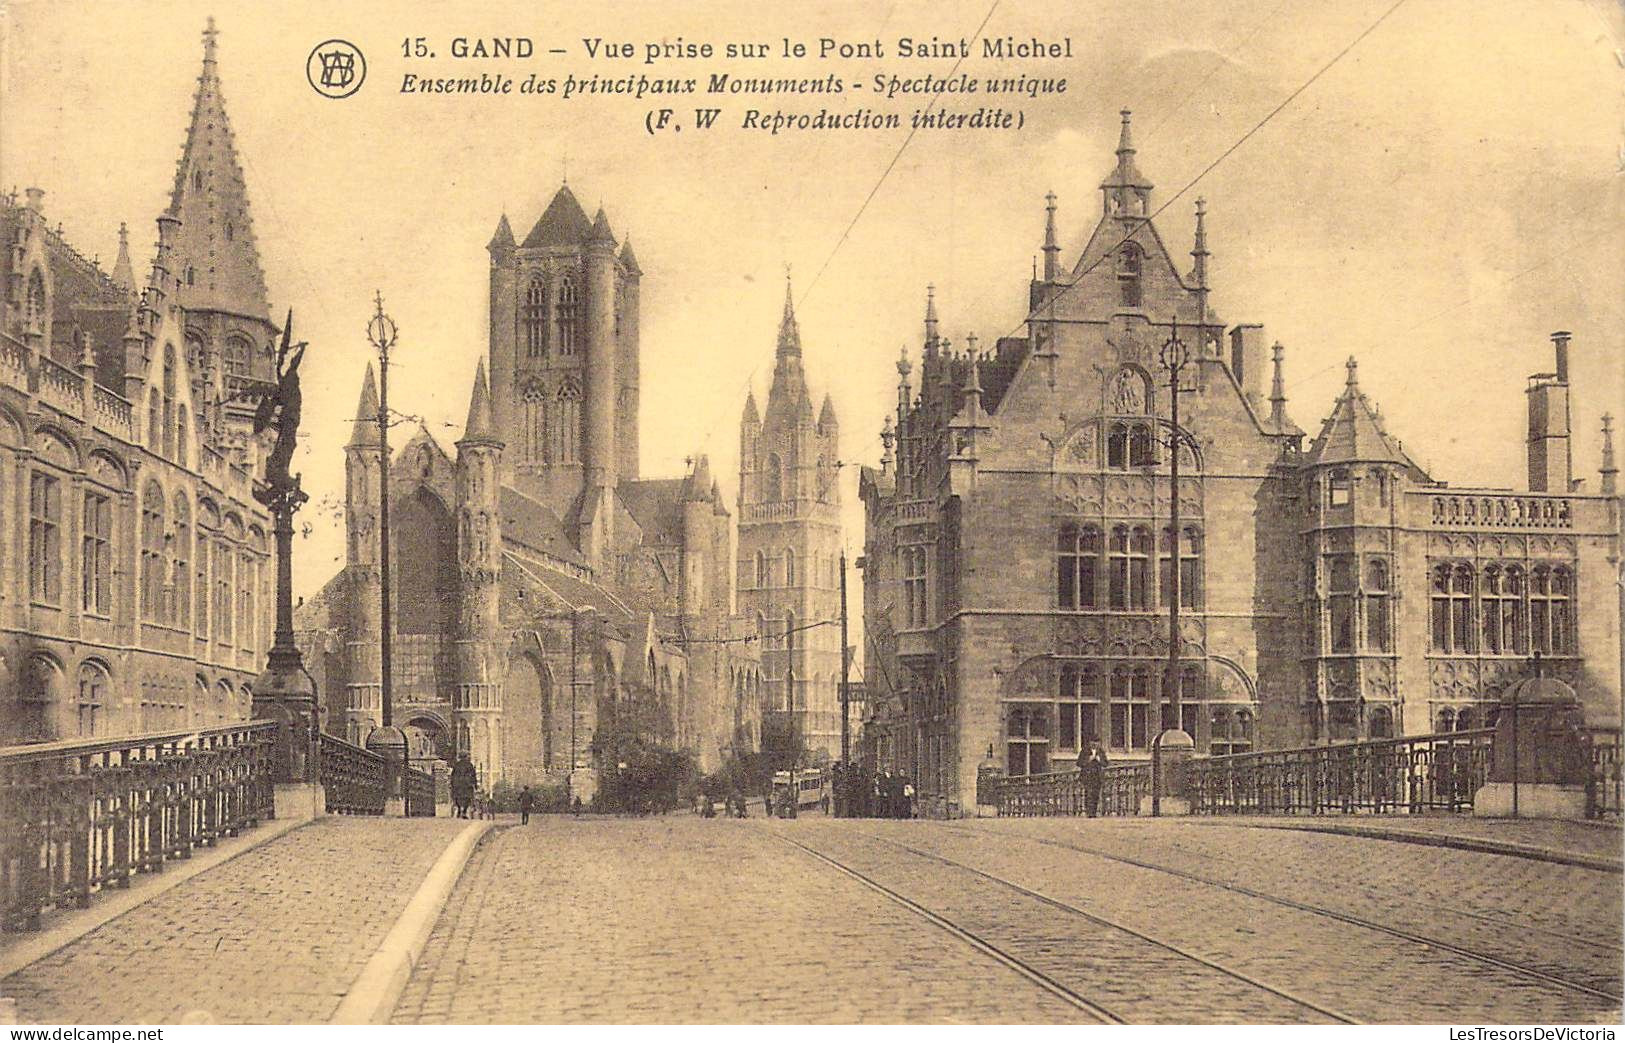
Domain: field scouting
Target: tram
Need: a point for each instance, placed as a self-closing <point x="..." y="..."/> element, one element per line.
<point x="810" y="785"/>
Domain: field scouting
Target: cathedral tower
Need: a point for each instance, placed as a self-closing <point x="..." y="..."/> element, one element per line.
<point x="790" y="543"/>
<point x="477" y="702"/>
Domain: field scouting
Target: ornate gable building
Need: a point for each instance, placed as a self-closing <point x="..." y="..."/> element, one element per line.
<point x="1018" y="560"/>
<point x="135" y="579"/>
<point x="547" y="596"/>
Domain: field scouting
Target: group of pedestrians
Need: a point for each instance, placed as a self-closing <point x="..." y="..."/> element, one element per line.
<point x="864" y="794"/>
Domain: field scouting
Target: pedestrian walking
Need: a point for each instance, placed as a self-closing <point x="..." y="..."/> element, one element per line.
<point x="1092" y="768"/>
<point x="908" y="799"/>
<point x="526" y="802"/>
<point x="463" y="780"/>
<point x="575" y="806"/>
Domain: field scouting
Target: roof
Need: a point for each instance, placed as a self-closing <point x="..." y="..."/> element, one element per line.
<point x="531" y="524"/>
<point x="656" y="504"/>
<point x="1353" y="432"/>
<point x="568" y="591"/>
<point x="563" y="223"/>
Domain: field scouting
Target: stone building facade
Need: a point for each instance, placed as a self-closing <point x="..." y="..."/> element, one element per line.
<point x="1018" y="559"/>
<point x="546" y="596"/>
<point x="136" y="580"/>
<point x="790" y="543"/>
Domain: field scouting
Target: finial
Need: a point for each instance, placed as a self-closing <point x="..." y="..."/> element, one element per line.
<point x="903" y="365"/>
<point x="1353" y="378"/>
<point x="209" y="39"/>
<point x="1125" y="141"/>
<point x="1052" y="248"/>
<point x="1610" y="471"/>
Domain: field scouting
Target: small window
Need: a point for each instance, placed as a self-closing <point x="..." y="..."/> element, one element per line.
<point x="1339" y="488"/>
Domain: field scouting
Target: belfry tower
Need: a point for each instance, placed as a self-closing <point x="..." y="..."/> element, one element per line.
<point x="790" y="543"/>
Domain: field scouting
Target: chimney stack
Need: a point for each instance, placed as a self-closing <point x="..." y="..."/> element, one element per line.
<point x="1560" y="341"/>
<point x="1551" y="462"/>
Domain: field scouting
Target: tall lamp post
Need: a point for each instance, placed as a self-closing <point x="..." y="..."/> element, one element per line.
<point x="388" y="740"/>
<point x="1174" y="355"/>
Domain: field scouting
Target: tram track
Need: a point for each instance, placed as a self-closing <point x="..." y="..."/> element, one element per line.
<point x="1027" y="969"/>
<point x="1488" y="959"/>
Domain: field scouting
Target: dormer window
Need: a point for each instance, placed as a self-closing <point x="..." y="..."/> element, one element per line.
<point x="1130" y="260"/>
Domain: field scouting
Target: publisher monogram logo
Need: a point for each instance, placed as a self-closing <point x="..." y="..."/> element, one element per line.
<point x="336" y="68"/>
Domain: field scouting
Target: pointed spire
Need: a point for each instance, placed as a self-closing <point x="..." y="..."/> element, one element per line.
<point x="563" y="223"/>
<point x="1610" y="472"/>
<point x="479" y="427"/>
<point x="752" y="415"/>
<point x="629" y="260"/>
<point x="1199" y="252"/>
<point x="600" y="229"/>
<point x="931" y="339"/>
<point x="1126" y="190"/>
<point x="826" y="413"/>
<point x="502" y="238"/>
<point x="1277" y="388"/>
<point x="789" y="330"/>
<point x="216" y="263"/>
<point x="1052" y="249"/>
<point x="123" y="273"/>
<point x="697" y="484"/>
<point x="887" y="437"/>
<point x="364" y="430"/>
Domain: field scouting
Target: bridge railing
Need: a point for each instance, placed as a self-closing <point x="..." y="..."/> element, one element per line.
<point x="1061" y="792"/>
<point x="1439" y="772"/>
<point x="419" y="787"/>
<point x="352" y="777"/>
<point x="79" y="816"/>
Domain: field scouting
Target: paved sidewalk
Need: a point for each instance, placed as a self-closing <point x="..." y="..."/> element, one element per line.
<point x="276" y="935"/>
<point x="1591" y="843"/>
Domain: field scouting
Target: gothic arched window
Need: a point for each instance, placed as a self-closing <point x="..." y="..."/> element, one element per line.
<point x="180" y="561"/>
<point x="1077" y="555"/>
<point x="169" y="400"/>
<point x="789" y="567"/>
<point x="534" y="317"/>
<point x="761" y="569"/>
<point x="533" y="443"/>
<point x="1377" y="610"/>
<point x="566" y="316"/>
<point x="567" y="426"/>
<point x="237" y="355"/>
<point x="152" y="553"/>
<point x="35" y="314"/>
<point x="773" y="479"/>
<point x="93" y="691"/>
<point x="1129" y="264"/>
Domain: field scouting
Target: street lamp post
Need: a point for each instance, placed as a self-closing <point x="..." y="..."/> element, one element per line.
<point x="382" y="333"/>
<point x="1175" y="355"/>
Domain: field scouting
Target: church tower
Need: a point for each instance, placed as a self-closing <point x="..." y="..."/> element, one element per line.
<point x="477" y="702"/>
<point x="564" y="363"/>
<point x="363" y="471"/>
<point x="790" y="543"/>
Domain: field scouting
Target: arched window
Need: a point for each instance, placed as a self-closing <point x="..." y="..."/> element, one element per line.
<point x="152" y="554"/>
<point x="197" y="179"/>
<point x="566" y="316"/>
<point x="200" y="583"/>
<point x="1129" y="263"/>
<point x="534" y="440"/>
<point x="913" y="562"/>
<point x="181" y="562"/>
<point x="761" y="627"/>
<point x="1130" y="563"/>
<point x="181" y="441"/>
<point x="1026" y="732"/>
<point x="1190" y="567"/>
<point x="1340" y="603"/>
<point x="567" y="426"/>
<point x="1562" y="612"/>
<point x="155" y="422"/>
<point x="1077" y="566"/>
<point x="169" y="401"/>
<point x="96" y="559"/>
<point x="93" y="693"/>
<point x="44" y="538"/>
<point x="1079" y="707"/>
<point x="1380" y="723"/>
<point x="1140" y="452"/>
<point x="248" y="583"/>
<point x="789" y="567"/>
<point x="534" y="317"/>
<point x="1447" y="719"/>
<point x="1117" y="447"/>
<point x="1377" y="607"/>
<point x="1461" y="609"/>
<point x="773" y="479"/>
<point x="237" y="356"/>
<point x="1439" y="611"/>
<point x="224" y="581"/>
<point x="761" y="569"/>
<point x="35" y="313"/>
<point x="1466" y="719"/>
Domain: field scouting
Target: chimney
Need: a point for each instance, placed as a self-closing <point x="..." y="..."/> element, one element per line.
<point x="1247" y="362"/>
<point x="1551" y="463"/>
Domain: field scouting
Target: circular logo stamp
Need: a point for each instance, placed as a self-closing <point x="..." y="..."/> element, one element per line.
<point x="336" y="68"/>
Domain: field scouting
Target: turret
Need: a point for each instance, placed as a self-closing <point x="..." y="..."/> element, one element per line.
<point x="1126" y="194"/>
<point x="363" y="704"/>
<point x="1052" y="249"/>
<point x="503" y="348"/>
<point x="477" y="702"/>
<point x="932" y="340"/>
<point x="1551" y="461"/>
<point x="1610" y="472"/>
<point x="602" y="364"/>
<point x="123" y="273"/>
<point x="628" y="356"/>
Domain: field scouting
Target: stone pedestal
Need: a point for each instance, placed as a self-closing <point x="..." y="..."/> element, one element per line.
<point x="284" y="694"/>
<point x="1171" y="752"/>
<point x="1539" y="760"/>
<point x="390" y="743"/>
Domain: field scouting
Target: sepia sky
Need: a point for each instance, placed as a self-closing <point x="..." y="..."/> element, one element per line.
<point x="1436" y="204"/>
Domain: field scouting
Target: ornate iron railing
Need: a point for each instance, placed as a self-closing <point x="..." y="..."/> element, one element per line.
<point x="352" y="777"/>
<point x="1062" y="792"/>
<point x="1603" y="790"/>
<point x="419" y="786"/>
<point x="79" y="816"/>
<point x="1416" y="773"/>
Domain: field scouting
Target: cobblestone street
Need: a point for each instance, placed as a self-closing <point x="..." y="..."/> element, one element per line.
<point x="686" y="920"/>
